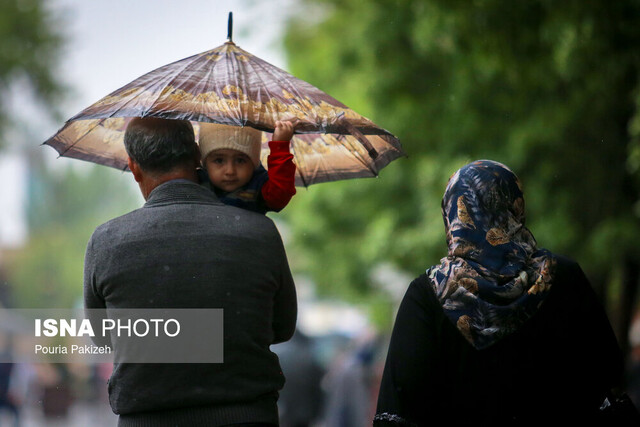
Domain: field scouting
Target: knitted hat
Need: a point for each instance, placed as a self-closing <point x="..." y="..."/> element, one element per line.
<point x="246" y="139"/>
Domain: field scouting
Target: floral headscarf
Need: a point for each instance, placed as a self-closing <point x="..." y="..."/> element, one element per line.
<point x="494" y="278"/>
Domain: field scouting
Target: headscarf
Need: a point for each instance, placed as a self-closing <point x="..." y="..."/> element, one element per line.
<point x="494" y="277"/>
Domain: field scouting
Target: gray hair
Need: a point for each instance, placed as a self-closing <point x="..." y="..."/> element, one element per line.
<point x="159" y="145"/>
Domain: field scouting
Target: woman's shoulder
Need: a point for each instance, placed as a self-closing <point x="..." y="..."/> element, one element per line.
<point x="568" y="270"/>
<point x="422" y="285"/>
<point x="421" y="292"/>
<point x="572" y="292"/>
<point x="565" y="261"/>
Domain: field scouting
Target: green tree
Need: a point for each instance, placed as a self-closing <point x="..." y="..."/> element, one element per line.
<point x="65" y="206"/>
<point x="30" y="47"/>
<point x="548" y="88"/>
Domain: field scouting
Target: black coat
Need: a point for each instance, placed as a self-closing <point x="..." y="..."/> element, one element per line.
<point x="555" y="369"/>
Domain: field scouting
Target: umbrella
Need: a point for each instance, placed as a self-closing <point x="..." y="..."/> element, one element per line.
<point x="228" y="85"/>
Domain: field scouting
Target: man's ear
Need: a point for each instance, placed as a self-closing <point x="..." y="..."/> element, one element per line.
<point x="198" y="158"/>
<point x="135" y="169"/>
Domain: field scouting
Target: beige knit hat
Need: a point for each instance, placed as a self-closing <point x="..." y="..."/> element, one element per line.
<point x="246" y="139"/>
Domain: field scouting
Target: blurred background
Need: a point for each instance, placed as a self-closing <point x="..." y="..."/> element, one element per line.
<point x="551" y="89"/>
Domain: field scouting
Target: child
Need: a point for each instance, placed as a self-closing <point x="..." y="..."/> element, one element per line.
<point x="231" y="159"/>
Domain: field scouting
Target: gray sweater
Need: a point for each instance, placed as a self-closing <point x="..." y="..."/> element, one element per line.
<point x="185" y="249"/>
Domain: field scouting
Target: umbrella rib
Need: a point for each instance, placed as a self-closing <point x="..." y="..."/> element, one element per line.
<point x="173" y="78"/>
<point x="302" y="178"/>
<point x="144" y="114"/>
<point x="234" y="73"/>
<point x="295" y="142"/>
<point x="354" y="131"/>
<point x="360" y="137"/>
<point x="111" y="116"/>
<point x="262" y="81"/>
<point x="258" y="64"/>
<point x="359" y="158"/>
<point x="282" y="82"/>
<point x="80" y="139"/>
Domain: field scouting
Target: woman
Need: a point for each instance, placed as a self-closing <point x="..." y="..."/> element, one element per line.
<point x="500" y="332"/>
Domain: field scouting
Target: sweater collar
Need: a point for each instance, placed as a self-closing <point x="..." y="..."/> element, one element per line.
<point x="180" y="191"/>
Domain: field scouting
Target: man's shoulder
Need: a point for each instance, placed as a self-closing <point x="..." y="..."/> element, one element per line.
<point x="250" y="218"/>
<point x="115" y="224"/>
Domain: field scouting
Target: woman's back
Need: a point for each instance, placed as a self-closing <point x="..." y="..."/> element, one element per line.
<point x="501" y="331"/>
<point x="557" y="366"/>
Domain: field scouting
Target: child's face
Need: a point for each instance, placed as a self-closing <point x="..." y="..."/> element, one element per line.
<point x="228" y="169"/>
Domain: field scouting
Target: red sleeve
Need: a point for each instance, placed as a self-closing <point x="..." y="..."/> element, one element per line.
<point x="280" y="187"/>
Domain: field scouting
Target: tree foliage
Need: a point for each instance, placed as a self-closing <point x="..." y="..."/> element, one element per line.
<point x="548" y="88"/>
<point x="30" y="47"/>
<point x="65" y="206"/>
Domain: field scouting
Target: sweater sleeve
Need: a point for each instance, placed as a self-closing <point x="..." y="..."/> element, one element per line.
<point x="94" y="303"/>
<point x="92" y="297"/>
<point x="280" y="187"/>
<point x="285" y="305"/>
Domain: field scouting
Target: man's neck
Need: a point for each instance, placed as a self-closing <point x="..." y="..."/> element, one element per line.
<point x="150" y="182"/>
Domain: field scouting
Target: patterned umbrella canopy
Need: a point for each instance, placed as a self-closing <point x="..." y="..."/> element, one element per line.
<point x="228" y="85"/>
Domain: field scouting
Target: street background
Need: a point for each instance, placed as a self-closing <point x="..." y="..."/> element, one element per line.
<point x="550" y="89"/>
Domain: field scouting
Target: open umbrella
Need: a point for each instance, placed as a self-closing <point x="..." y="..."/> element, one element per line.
<point x="228" y="85"/>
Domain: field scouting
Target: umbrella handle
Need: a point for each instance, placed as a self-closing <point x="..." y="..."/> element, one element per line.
<point x="230" y="28"/>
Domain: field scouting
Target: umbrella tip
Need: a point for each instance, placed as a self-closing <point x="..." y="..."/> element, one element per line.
<point x="230" y="28"/>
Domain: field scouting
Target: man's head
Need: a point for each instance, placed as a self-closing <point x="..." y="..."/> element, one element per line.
<point x="160" y="150"/>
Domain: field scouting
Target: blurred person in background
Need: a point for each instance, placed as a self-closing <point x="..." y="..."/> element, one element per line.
<point x="349" y="384"/>
<point x="8" y="405"/>
<point x="57" y="393"/>
<point x="301" y="400"/>
<point x="501" y="332"/>
<point x="11" y="398"/>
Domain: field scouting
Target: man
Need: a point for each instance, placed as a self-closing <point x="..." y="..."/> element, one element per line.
<point x="185" y="249"/>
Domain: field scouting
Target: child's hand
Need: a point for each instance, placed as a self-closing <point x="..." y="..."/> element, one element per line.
<point x="283" y="131"/>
